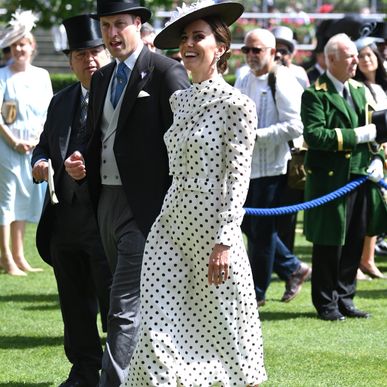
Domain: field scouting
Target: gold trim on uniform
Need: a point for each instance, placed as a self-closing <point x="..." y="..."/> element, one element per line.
<point x="340" y="141"/>
<point x="320" y="86"/>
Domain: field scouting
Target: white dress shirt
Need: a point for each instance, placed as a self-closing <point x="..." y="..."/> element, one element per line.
<point x="278" y="122"/>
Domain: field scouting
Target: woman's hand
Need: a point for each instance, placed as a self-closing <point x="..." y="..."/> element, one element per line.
<point x="23" y="147"/>
<point x="218" y="265"/>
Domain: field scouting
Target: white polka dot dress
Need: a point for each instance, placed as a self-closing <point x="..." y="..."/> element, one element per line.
<point x="194" y="334"/>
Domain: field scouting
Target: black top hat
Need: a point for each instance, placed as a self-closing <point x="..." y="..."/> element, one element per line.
<point x="379" y="118"/>
<point x="109" y="7"/>
<point x="82" y="32"/>
<point x="169" y="37"/>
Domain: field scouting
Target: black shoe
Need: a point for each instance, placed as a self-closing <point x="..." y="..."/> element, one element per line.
<point x="352" y="312"/>
<point x="295" y="281"/>
<point x="72" y="382"/>
<point x="261" y="302"/>
<point x="333" y="315"/>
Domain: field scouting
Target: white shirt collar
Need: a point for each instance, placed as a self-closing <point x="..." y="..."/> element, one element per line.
<point x="130" y="61"/>
<point x="84" y="90"/>
<point x="338" y="84"/>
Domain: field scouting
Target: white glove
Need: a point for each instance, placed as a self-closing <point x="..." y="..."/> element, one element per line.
<point x="375" y="170"/>
<point x="366" y="133"/>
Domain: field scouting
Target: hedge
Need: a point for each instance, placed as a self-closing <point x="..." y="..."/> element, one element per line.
<point x="60" y="81"/>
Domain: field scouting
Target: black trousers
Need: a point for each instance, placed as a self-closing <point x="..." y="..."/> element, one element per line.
<point x="84" y="279"/>
<point x="335" y="267"/>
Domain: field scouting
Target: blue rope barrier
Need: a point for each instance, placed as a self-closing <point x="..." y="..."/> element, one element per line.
<point x="313" y="203"/>
<point x="382" y="183"/>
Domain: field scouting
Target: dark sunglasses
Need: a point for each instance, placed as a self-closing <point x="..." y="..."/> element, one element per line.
<point x="283" y="51"/>
<point x="254" y="50"/>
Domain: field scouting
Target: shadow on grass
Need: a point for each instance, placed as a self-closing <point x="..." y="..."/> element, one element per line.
<point x="279" y="316"/>
<point x="42" y="308"/>
<point x="19" y="384"/>
<point x="372" y="293"/>
<point x="29" y="298"/>
<point x="304" y="253"/>
<point x="22" y="342"/>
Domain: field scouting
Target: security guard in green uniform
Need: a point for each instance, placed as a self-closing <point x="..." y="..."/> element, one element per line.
<point x="341" y="147"/>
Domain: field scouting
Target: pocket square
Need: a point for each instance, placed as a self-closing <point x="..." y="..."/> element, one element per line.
<point x="143" y="94"/>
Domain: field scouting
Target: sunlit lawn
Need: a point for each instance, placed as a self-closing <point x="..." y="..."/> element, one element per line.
<point x="300" y="350"/>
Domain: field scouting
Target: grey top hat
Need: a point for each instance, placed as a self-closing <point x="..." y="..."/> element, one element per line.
<point x="284" y="35"/>
<point x="111" y="7"/>
<point x="169" y="37"/>
<point x="82" y="32"/>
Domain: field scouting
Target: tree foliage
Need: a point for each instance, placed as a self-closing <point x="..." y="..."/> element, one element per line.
<point x="52" y="12"/>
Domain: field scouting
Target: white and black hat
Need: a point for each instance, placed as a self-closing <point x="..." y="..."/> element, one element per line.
<point x="169" y="37"/>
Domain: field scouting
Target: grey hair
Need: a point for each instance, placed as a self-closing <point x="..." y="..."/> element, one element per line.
<point x="264" y="35"/>
<point x="332" y="46"/>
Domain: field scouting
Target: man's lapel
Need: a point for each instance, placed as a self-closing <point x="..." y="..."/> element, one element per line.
<point x="104" y="75"/>
<point x="138" y="79"/>
<point x="325" y="84"/>
<point x="356" y="89"/>
<point x="67" y="120"/>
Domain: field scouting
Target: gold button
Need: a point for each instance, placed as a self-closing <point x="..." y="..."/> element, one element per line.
<point x="309" y="171"/>
<point x="330" y="173"/>
<point x="347" y="155"/>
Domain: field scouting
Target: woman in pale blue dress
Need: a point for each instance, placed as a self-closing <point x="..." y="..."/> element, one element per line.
<point x="25" y="93"/>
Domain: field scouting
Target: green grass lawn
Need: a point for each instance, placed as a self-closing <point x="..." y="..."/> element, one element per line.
<point x="300" y="350"/>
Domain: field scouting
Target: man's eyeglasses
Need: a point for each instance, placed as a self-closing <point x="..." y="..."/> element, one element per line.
<point x="283" y="51"/>
<point x="254" y="50"/>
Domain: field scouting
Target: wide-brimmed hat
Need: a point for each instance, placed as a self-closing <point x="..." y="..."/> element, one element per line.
<point x="169" y="37"/>
<point x="367" y="41"/>
<point x="21" y="23"/>
<point x="111" y="7"/>
<point x="355" y="26"/>
<point x="284" y="35"/>
<point x="82" y="32"/>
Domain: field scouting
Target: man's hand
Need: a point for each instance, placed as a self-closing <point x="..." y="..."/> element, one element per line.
<point x="366" y="133"/>
<point x="40" y="171"/>
<point x="375" y="170"/>
<point x="75" y="166"/>
<point x="218" y="265"/>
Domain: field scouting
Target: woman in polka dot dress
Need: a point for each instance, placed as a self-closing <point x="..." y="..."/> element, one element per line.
<point x="200" y="324"/>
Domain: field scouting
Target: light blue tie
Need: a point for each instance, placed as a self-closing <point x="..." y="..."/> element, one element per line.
<point x="120" y="81"/>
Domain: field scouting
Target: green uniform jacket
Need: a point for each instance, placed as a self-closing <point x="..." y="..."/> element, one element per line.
<point x="332" y="156"/>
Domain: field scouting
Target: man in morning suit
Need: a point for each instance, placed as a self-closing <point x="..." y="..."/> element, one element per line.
<point x="126" y="164"/>
<point x="341" y="147"/>
<point x="67" y="235"/>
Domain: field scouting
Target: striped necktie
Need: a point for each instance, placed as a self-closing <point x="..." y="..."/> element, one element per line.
<point x="84" y="105"/>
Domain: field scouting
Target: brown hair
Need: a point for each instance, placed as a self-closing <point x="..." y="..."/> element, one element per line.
<point x="222" y="35"/>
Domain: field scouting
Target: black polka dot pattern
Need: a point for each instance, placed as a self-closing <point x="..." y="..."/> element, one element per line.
<point x="193" y="334"/>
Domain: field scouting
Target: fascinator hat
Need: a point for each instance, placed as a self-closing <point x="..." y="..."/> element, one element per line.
<point x="367" y="41"/>
<point x="169" y="37"/>
<point x="21" y="24"/>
